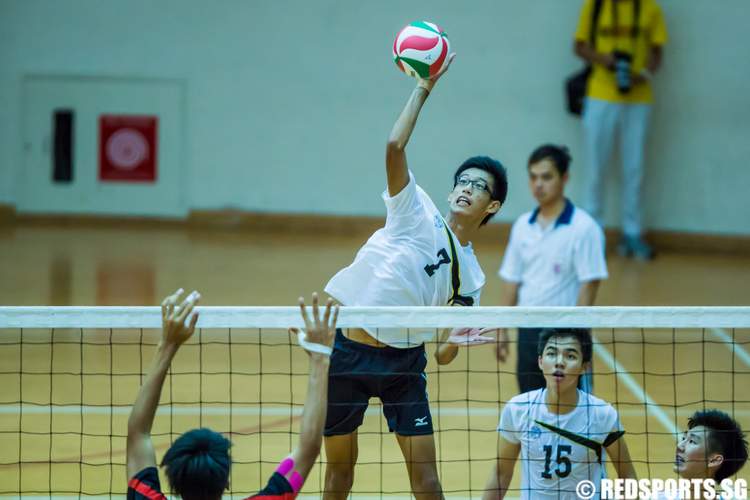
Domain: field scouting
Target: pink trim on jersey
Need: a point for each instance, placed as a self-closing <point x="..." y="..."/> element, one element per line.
<point x="146" y="490"/>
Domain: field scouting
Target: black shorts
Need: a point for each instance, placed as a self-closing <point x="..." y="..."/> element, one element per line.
<point x="396" y="376"/>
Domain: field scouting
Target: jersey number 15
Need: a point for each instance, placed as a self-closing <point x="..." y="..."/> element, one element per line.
<point x="563" y="462"/>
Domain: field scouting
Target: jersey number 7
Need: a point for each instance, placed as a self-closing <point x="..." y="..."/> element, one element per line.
<point x="444" y="259"/>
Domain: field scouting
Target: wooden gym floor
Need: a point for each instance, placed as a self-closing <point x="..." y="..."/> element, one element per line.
<point x="134" y="264"/>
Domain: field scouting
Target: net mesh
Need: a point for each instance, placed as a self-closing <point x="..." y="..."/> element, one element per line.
<point x="67" y="382"/>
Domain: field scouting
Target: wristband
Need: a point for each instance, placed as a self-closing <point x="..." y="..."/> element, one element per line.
<point x="312" y="346"/>
<point x="295" y="480"/>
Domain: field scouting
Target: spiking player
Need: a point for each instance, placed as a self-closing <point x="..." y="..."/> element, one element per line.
<point x="418" y="259"/>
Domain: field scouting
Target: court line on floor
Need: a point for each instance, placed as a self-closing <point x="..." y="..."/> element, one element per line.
<point x="738" y="350"/>
<point x="276" y="411"/>
<point x="635" y="388"/>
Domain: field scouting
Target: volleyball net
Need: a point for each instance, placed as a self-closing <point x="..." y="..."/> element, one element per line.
<point x="68" y="378"/>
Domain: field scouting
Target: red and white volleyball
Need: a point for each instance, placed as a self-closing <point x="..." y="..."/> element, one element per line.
<point x="421" y="49"/>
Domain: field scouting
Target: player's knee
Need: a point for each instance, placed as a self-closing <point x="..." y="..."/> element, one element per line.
<point x="426" y="481"/>
<point x="339" y="476"/>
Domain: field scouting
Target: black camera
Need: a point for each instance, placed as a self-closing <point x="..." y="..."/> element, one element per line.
<point x="623" y="73"/>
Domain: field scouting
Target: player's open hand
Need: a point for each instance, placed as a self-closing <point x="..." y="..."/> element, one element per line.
<point x="178" y="318"/>
<point x="471" y="336"/>
<point x="320" y="332"/>
<point x="429" y="83"/>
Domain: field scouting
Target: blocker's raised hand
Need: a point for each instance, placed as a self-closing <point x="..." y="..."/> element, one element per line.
<point x="317" y="331"/>
<point x="175" y="329"/>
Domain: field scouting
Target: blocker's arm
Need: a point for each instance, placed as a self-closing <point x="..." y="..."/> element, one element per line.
<point x="140" y="450"/>
<point x="317" y="332"/>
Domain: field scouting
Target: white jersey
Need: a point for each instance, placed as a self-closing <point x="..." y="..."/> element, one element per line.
<point x="552" y="464"/>
<point x="407" y="263"/>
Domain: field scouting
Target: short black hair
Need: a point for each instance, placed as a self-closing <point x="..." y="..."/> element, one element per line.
<point x="197" y="464"/>
<point x="582" y="334"/>
<point x="725" y="437"/>
<point x="559" y="155"/>
<point x="495" y="169"/>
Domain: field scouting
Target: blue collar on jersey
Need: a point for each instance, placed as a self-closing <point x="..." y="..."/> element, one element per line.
<point x="564" y="218"/>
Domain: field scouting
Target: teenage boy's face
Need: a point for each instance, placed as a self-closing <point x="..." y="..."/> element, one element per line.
<point x="561" y="362"/>
<point x="545" y="181"/>
<point x="692" y="459"/>
<point x="472" y="194"/>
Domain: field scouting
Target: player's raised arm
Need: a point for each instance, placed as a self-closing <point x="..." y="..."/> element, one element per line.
<point x="175" y="330"/>
<point x="317" y="340"/>
<point x="395" y="153"/>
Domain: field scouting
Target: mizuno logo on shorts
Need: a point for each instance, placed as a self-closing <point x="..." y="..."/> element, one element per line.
<point x="420" y="421"/>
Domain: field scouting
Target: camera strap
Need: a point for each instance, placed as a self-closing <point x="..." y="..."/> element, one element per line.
<point x="594" y="20"/>
<point x="635" y="29"/>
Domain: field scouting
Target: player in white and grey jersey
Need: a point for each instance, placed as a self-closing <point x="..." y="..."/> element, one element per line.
<point x="419" y="258"/>
<point x="560" y="433"/>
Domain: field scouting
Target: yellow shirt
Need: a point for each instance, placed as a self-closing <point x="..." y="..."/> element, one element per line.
<point x="653" y="32"/>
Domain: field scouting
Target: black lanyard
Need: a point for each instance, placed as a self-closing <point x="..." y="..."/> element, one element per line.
<point x="583" y="440"/>
<point x="456" y="298"/>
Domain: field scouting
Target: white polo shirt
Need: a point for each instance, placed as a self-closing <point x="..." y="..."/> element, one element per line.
<point x="551" y="263"/>
<point x="407" y="263"/>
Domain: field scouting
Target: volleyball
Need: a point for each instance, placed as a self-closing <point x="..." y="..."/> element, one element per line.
<point x="421" y="49"/>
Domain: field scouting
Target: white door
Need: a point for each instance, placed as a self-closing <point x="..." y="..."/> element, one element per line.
<point x="89" y="98"/>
